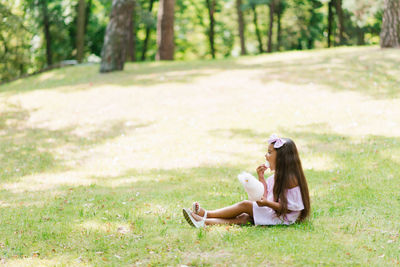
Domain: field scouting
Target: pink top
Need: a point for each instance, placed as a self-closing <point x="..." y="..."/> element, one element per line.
<point x="267" y="216"/>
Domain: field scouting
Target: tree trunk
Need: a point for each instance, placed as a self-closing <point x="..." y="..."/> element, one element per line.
<point x="241" y="27"/>
<point x="148" y="29"/>
<point x="165" y="30"/>
<point x="360" y="36"/>
<point x="115" y="40"/>
<point x="390" y="24"/>
<point x="131" y="49"/>
<point x="88" y="13"/>
<point x="80" y="36"/>
<point x="211" y="9"/>
<point x="279" y="28"/>
<point x="46" y="30"/>
<point x="330" y="20"/>
<point x="271" y="25"/>
<point x="339" y="12"/>
<point x="260" y="44"/>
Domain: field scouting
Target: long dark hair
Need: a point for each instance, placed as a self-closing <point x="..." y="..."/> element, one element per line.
<point x="288" y="165"/>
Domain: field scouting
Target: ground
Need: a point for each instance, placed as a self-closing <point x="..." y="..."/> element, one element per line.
<point x="95" y="168"/>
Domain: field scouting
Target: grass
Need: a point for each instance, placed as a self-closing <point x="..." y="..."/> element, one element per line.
<point x="95" y="169"/>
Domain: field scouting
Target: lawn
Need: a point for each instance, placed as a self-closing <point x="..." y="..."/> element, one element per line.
<point x="96" y="168"/>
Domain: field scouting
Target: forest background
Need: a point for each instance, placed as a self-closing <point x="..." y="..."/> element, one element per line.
<point x="36" y="35"/>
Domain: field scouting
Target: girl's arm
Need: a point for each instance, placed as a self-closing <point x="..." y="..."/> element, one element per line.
<point x="262" y="180"/>
<point x="271" y="204"/>
<point x="260" y="172"/>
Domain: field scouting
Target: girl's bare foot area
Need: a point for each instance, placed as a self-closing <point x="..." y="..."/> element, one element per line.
<point x="198" y="210"/>
<point x="196" y="217"/>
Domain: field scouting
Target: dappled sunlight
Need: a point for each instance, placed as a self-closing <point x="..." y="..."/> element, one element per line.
<point x="50" y="75"/>
<point x="287" y="56"/>
<point x="106" y="227"/>
<point x="318" y="162"/>
<point x="105" y="163"/>
<point x="37" y="260"/>
<point x="46" y="182"/>
<point x="16" y="204"/>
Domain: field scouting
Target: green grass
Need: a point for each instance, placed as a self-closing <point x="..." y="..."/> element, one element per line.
<point x="95" y="169"/>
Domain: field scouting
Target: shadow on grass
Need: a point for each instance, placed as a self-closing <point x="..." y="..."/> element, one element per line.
<point x="26" y="150"/>
<point x="370" y="71"/>
<point x="142" y="212"/>
<point x="361" y="167"/>
<point x="374" y="73"/>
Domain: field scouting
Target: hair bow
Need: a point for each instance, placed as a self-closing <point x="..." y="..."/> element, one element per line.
<point x="278" y="142"/>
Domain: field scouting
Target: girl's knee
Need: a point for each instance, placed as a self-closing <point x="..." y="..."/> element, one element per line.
<point x="244" y="218"/>
<point x="247" y="204"/>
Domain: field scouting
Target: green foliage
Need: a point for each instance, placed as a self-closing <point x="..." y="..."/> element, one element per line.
<point x="303" y="26"/>
<point x="14" y="43"/>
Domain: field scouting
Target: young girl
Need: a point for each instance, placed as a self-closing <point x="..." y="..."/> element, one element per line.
<point x="285" y="201"/>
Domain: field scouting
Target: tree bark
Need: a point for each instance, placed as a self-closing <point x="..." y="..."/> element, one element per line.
<point x="241" y="27"/>
<point x="131" y="49"/>
<point x="271" y="25"/>
<point x="330" y="20"/>
<point x="279" y="27"/>
<point x="390" y="24"/>
<point x="88" y="13"/>
<point x="211" y="10"/>
<point x="115" y="40"/>
<point x="339" y="12"/>
<point x="148" y="29"/>
<point x="360" y="36"/>
<point x="258" y="33"/>
<point x="165" y="30"/>
<point x="46" y="30"/>
<point x="80" y="36"/>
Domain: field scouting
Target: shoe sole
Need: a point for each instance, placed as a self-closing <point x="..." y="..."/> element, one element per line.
<point x="187" y="218"/>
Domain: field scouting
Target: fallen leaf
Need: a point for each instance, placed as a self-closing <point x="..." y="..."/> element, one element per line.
<point x="122" y="230"/>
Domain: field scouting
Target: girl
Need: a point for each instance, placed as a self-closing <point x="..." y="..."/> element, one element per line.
<point x="285" y="201"/>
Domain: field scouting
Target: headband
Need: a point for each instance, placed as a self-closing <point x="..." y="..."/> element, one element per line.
<point x="278" y="142"/>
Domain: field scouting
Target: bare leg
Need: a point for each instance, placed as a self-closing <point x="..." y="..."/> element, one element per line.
<point x="230" y="211"/>
<point x="241" y="219"/>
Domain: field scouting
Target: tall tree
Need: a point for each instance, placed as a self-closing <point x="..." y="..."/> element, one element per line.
<point x="330" y="21"/>
<point x="148" y="29"/>
<point x="280" y="8"/>
<point x="15" y="41"/>
<point x="241" y="25"/>
<point x="131" y="46"/>
<point x="46" y="31"/>
<point x="340" y="15"/>
<point x="211" y="10"/>
<point x="258" y="33"/>
<point x="80" y="36"/>
<point x="165" y="30"/>
<point x="115" y="40"/>
<point x="271" y="6"/>
<point x="390" y="24"/>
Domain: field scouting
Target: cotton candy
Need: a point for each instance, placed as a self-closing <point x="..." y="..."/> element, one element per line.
<point x="253" y="187"/>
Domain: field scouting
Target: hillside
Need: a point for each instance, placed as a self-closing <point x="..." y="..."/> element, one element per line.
<point x="95" y="168"/>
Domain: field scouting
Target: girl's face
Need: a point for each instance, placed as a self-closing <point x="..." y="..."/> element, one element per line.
<point x="271" y="156"/>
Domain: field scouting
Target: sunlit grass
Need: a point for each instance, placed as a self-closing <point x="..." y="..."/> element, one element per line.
<point x="94" y="169"/>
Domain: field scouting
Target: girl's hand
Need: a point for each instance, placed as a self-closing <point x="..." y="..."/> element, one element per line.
<point x="260" y="171"/>
<point x="262" y="202"/>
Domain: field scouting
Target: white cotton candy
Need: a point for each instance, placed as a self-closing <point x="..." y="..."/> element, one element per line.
<point x="267" y="164"/>
<point x="253" y="187"/>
